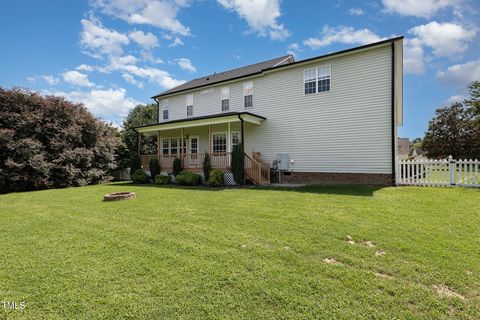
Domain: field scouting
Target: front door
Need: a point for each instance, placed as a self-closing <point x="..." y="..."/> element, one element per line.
<point x="193" y="151"/>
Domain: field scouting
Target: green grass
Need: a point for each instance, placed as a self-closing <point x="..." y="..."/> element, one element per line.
<point x="241" y="253"/>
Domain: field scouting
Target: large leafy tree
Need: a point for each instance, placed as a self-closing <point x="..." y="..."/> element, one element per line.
<point x="139" y="116"/>
<point x="50" y="142"/>
<point x="455" y="129"/>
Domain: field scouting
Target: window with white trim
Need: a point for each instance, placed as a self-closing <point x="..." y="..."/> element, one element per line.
<point x="235" y="138"/>
<point x="310" y="81"/>
<point x="189" y="105"/>
<point x="225" y="97"/>
<point x="219" y="142"/>
<point x="324" y="76"/>
<point x="173" y="145"/>
<point x="248" y="94"/>
<point x="165" y="108"/>
<point x="165" y="147"/>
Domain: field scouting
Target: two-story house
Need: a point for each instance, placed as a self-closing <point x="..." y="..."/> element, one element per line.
<point x="327" y="119"/>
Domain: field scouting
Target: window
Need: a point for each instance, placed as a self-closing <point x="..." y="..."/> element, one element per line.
<point x="248" y="94"/>
<point x="189" y="105"/>
<point x="235" y="138"/>
<point x="194" y="144"/>
<point x="219" y="142"/>
<point x="225" y="96"/>
<point x="165" y="147"/>
<point x="310" y="80"/>
<point x="165" y="107"/>
<point x="324" y="78"/>
<point x="174" y="146"/>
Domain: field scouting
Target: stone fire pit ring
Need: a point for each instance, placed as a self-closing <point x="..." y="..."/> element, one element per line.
<point x="114" y="196"/>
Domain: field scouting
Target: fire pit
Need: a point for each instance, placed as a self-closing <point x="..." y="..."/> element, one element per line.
<point x="119" y="196"/>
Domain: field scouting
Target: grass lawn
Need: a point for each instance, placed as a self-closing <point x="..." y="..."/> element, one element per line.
<point x="241" y="253"/>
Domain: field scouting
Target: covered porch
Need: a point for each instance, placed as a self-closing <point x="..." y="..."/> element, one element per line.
<point x="191" y="139"/>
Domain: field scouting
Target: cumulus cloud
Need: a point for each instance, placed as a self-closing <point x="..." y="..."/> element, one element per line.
<point x="84" y="67"/>
<point x="49" y="79"/>
<point x="107" y="104"/>
<point x="261" y="16"/>
<point x="130" y="79"/>
<point x="147" y="41"/>
<point x="186" y="65"/>
<point x="414" y="60"/>
<point x="157" y="13"/>
<point x="342" y="34"/>
<point x="98" y="40"/>
<point x="445" y="39"/>
<point x="356" y="12"/>
<point x="460" y="74"/>
<point x="77" y="78"/>
<point x="418" y="8"/>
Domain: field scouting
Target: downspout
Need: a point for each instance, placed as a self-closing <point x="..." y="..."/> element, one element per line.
<point x="393" y="114"/>
<point x="242" y="134"/>
<point x="158" y="109"/>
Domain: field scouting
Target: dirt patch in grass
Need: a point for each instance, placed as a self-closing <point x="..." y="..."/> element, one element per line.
<point x="330" y="261"/>
<point x="445" y="292"/>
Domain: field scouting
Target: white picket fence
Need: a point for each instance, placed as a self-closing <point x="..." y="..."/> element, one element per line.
<point x="444" y="172"/>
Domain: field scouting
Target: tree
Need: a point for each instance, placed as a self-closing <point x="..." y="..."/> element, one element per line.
<point x="139" y="116"/>
<point x="207" y="167"/>
<point x="50" y="142"/>
<point x="473" y="102"/>
<point x="237" y="164"/>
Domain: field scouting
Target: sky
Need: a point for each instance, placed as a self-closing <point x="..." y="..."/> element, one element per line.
<point x="111" y="55"/>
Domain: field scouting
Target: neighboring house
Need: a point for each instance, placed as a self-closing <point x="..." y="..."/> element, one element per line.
<point x="403" y="148"/>
<point x="417" y="154"/>
<point x="327" y="119"/>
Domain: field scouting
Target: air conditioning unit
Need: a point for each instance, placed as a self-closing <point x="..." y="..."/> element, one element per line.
<point x="283" y="161"/>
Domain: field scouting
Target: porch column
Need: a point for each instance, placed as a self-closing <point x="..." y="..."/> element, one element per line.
<point x="229" y="139"/>
<point x="158" y="145"/>
<point x="181" y="146"/>
<point x="209" y="138"/>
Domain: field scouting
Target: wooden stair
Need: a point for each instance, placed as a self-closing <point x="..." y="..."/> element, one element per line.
<point x="256" y="169"/>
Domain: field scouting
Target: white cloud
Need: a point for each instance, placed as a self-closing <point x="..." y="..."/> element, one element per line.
<point x="154" y="75"/>
<point x="84" y="67"/>
<point x="100" y="41"/>
<point x="461" y="74"/>
<point x="261" y="16"/>
<point x="176" y="42"/>
<point x="49" y="79"/>
<point x="356" y="12"/>
<point x="293" y="48"/>
<point x="445" y="39"/>
<point x="108" y="104"/>
<point x="128" y="78"/>
<point x="455" y="98"/>
<point x="158" y="13"/>
<point x="342" y="34"/>
<point x="77" y="78"/>
<point x="186" y="65"/>
<point x="147" y="41"/>
<point x="418" y="8"/>
<point x="414" y="60"/>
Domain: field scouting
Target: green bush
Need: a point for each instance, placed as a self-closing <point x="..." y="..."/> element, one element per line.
<point x="207" y="167"/>
<point x="154" y="167"/>
<point x="134" y="164"/>
<point x="160" y="179"/>
<point x="216" y="178"/>
<point x="139" y="176"/>
<point x="237" y="164"/>
<point x="187" y="178"/>
<point x="177" y="166"/>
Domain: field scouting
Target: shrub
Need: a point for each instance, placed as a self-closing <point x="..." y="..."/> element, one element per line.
<point x="50" y="142"/>
<point x="154" y="167"/>
<point x="237" y="164"/>
<point x="134" y="164"/>
<point x="187" y="178"/>
<point x="177" y="166"/>
<point x="139" y="176"/>
<point x="216" y="178"/>
<point x="207" y="167"/>
<point x="161" y="179"/>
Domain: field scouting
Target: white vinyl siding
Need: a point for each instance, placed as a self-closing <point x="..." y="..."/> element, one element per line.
<point x="347" y="130"/>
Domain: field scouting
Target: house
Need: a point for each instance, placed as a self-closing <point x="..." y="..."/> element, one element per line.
<point x="417" y="154"/>
<point x="327" y="119"/>
<point x="403" y="148"/>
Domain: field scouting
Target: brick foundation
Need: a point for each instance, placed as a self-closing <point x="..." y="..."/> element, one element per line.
<point x="337" y="178"/>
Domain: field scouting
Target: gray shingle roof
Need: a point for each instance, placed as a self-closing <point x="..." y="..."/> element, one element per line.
<point x="227" y="75"/>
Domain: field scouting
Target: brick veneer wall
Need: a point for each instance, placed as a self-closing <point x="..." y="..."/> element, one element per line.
<point x="337" y="178"/>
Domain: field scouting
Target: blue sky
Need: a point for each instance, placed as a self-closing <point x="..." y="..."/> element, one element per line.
<point x="113" y="54"/>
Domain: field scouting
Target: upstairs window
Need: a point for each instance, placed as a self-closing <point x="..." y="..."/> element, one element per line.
<point x="225" y="97"/>
<point x="324" y="78"/>
<point x="310" y="81"/>
<point x="189" y="105"/>
<point x="248" y="94"/>
<point x="165" y="108"/>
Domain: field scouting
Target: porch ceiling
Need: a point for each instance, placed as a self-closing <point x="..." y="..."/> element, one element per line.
<point x="202" y="121"/>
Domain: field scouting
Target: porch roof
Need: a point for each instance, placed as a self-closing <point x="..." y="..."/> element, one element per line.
<point x="219" y="118"/>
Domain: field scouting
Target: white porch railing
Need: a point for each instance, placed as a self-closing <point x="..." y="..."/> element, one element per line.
<point x="443" y="172"/>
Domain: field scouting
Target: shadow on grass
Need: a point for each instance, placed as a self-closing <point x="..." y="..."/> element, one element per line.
<point x="347" y="190"/>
